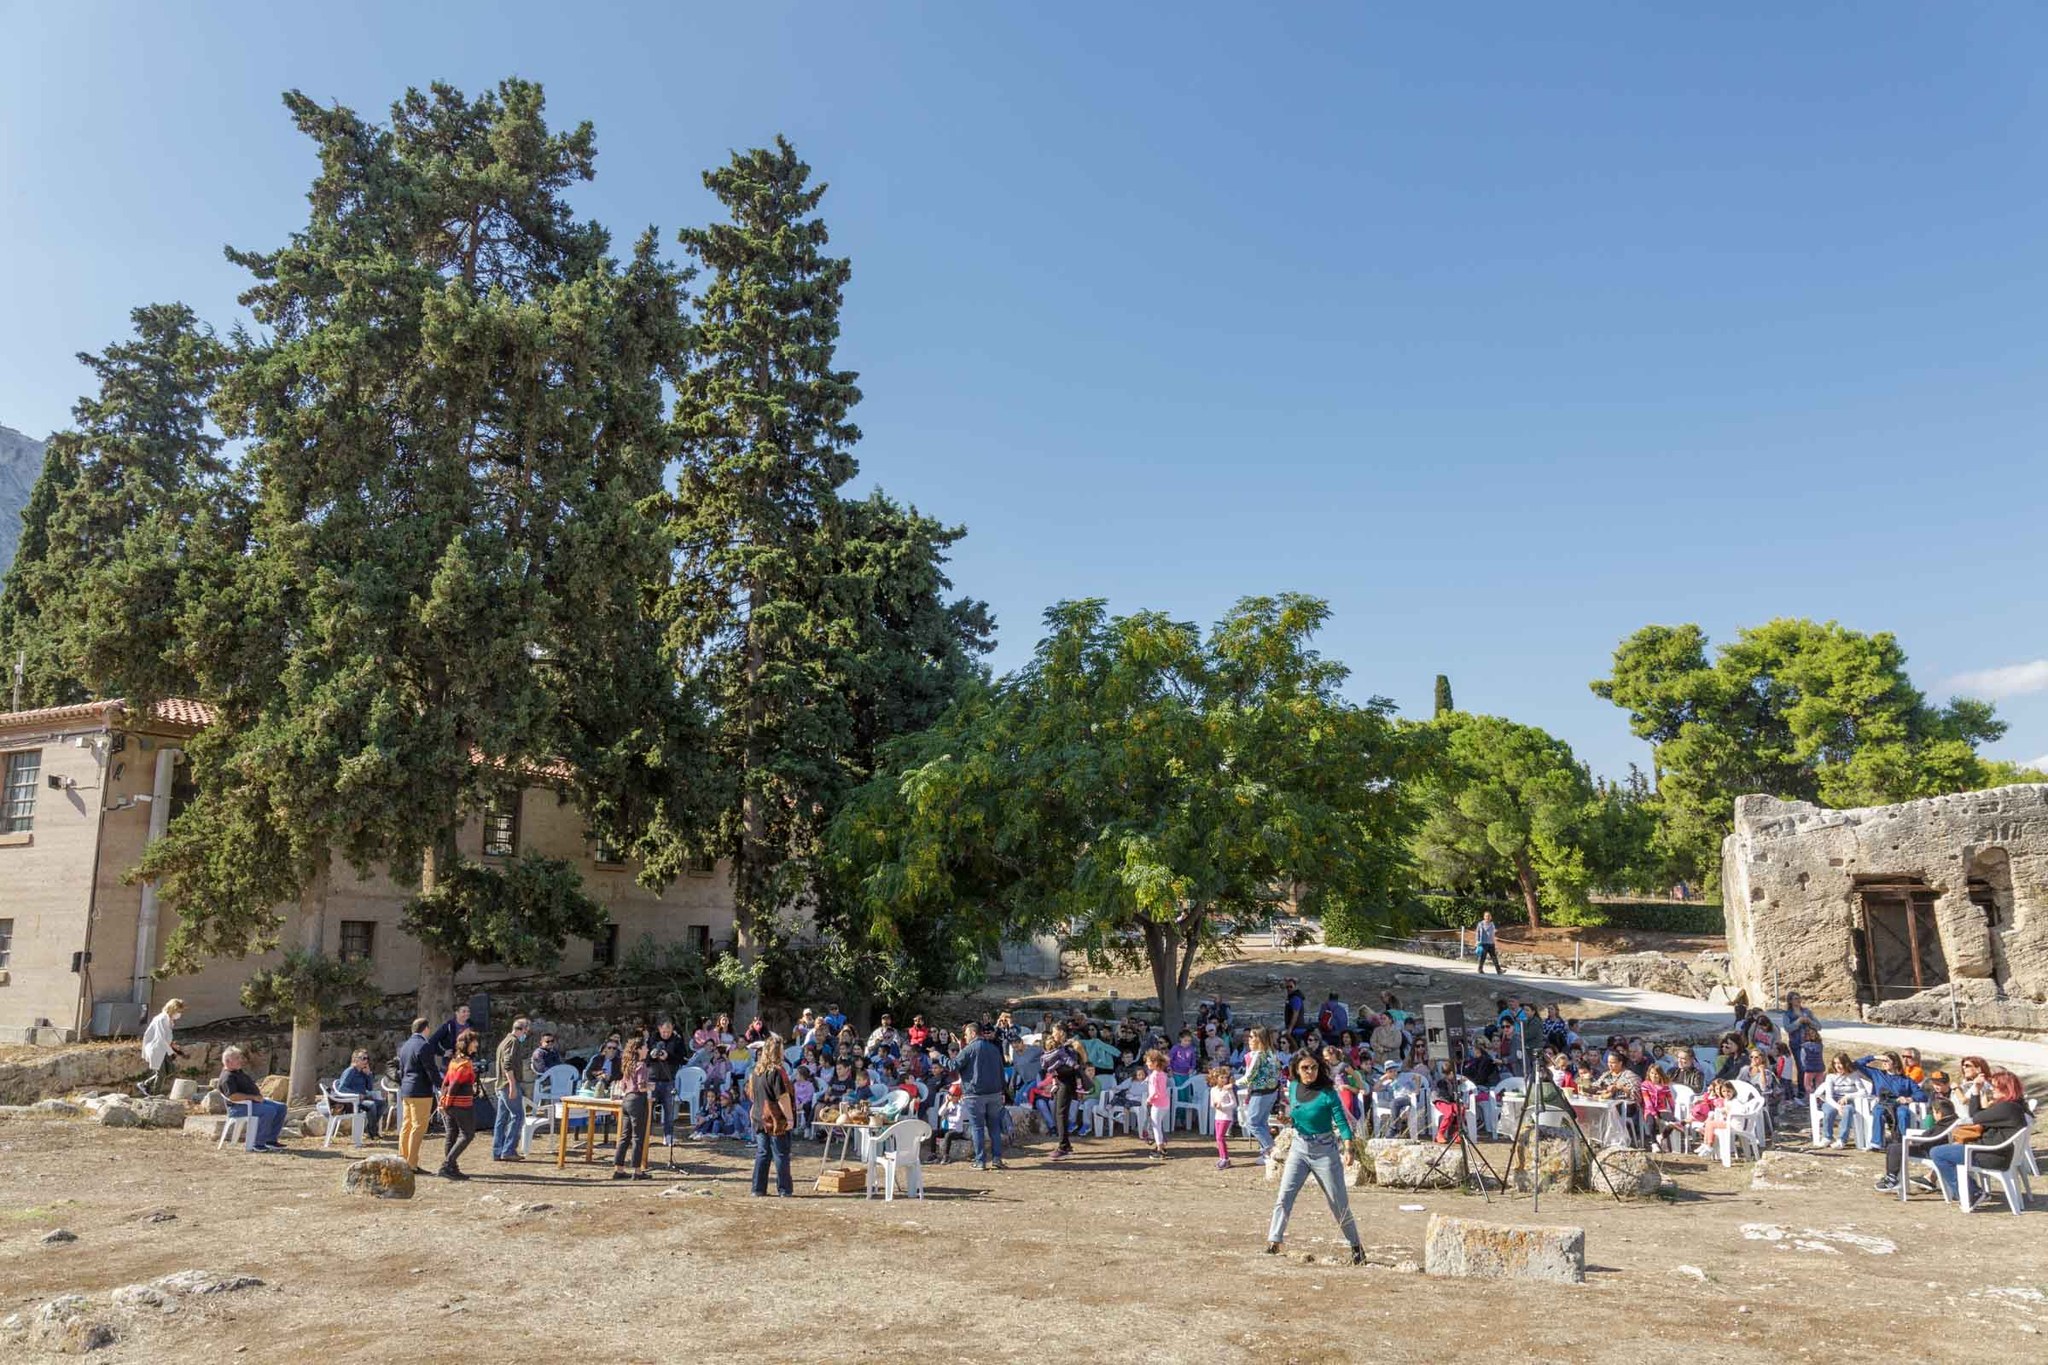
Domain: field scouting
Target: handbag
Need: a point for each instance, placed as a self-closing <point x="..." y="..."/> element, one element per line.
<point x="1966" y="1132"/>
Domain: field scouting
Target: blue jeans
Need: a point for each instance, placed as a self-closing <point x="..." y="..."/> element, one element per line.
<point x="665" y="1105"/>
<point x="1314" y="1154"/>
<point x="505" y="1125"/>
<point x="771" y="1149"/>
<point x="1258" y="1119"/>
<point x="1835" y="1118"/>
<point x="984" y="1116"/>
<point x="1948" y="1164"/>
<point x="269" y="1122"/>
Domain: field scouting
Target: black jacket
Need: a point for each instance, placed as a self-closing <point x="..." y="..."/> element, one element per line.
<point x="664" y="1055"/>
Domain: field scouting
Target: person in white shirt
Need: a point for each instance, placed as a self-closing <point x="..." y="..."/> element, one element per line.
<point x="1837" y="1094"/>
<point x="159" y="1053"/>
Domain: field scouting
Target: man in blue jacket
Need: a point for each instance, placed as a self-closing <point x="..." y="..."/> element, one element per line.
<point x="980" y="1065"/>
<point x="418" y="1079"/>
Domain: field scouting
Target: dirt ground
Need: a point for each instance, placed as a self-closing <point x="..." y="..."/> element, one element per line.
<point x="1091" y="1259"/>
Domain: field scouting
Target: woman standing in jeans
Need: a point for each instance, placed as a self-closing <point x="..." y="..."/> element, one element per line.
<point x="1262" y="1089"/>
<point x="635" y="1089"/>
<point x="1322" y="1137"/>
<point x="774" y="1107"/>
<point x="458" y="1102"/>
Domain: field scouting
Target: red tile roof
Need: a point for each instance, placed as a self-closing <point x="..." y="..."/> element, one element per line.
<point x="173" y="710"/>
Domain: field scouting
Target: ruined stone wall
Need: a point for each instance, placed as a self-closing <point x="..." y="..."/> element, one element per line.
<point x="1790" y="878"/>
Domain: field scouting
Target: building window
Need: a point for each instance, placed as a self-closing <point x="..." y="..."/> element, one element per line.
<point x="700" y="939"/>
<point x="6" y="942"/>
<point x="703" y="865"/>
<point x="501" y="825"/>
<point x="604" y="949"/>
<point x="603" y="851"/>
<point x="358" y="939"/>
<point x="24" y="772"/>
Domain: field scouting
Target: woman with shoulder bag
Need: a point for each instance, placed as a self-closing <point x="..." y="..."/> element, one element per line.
<point x="774" y="1106"/>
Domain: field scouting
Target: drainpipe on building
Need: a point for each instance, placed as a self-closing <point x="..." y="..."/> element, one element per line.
<point x="145" y="922"/>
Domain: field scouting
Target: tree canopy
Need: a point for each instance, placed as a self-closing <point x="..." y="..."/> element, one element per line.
<point x="1795" y="709"/>
<point x="1152" y="791"/>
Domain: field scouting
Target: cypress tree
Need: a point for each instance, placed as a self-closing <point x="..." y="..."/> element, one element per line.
<point x="130" y="525"/>
<point x="1444" y="705"/>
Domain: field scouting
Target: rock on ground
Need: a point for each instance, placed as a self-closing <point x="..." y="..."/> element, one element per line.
<point x="68" y="1325"/>
<point x="1560" y="1163"/>
<point x="63" y="1109"/>
<point x="384" y="1176"/>
<point x="1627" y="1171"/>
<point x="56" y="1236"/>
<point x="1465" y="1248"/>
<point x="161" y="1112"/>
<point x="1408" y="1165"/>
<point x="187" y="1282"/>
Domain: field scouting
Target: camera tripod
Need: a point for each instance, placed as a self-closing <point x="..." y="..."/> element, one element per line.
<point x="1531" y="1107"/>
<point x="1474" y="1160"/>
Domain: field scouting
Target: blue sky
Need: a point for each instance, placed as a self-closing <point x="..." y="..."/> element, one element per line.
<point x="1506" y="329"/>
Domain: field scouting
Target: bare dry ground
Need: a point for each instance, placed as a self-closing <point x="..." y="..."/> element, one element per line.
<point x="1106" y="1256"/>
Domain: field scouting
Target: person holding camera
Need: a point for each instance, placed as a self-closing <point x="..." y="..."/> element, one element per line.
<point x="666" y="1053"/>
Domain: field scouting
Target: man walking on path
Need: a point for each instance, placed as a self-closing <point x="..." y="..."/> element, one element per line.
<point x="980" y="1065"/>
<point x="512" y="1057"/>
<point x="1482" y="938"/>
<point x="418" y="1079"/>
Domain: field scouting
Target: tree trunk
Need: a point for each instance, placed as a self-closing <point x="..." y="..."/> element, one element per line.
<point x="437" y="969"/>
<point x="1525" y="876"/>
<point x="750" y="868"/>
<point x="1163" y="957"/>
<point x="304" y="1086"/>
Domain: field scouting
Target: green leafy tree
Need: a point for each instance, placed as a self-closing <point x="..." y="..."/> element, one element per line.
<point x="1149" y="791"/>
<point x="1444" y="704"/>
<point x="1794" y="709"/>
<point x="519" y="915"/>
<point x="815" y="627"/>
<point x="454" y="412"/>
<point x="1507" y="804"/>
<point x="133" y="522"/>
<point x="306" y="988"/>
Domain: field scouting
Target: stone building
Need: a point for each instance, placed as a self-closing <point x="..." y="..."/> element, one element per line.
<point x="83" y="789"/>
<point x="1931" y="912"/>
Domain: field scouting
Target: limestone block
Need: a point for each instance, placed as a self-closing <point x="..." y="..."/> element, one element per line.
<point x="1626" y="1171"/>
<point x="161" y="1112"/>
<point x="120" y="1116"/>
<point x="275" y="1087"/>
<point x="1407" y="1165"/>
<point x="1465" y="1248"/>
<point x="63" y="1109"/>
<point x="1560" y="1163"/>
<point x="384" y="1176"/>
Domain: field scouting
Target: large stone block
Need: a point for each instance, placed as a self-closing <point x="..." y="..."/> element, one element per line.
<point x="1558" y="1163"/>
<point x="1465" y="1248"/>
<point x="1418" y="1165"/>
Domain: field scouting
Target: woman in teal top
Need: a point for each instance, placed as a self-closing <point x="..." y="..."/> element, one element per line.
<point x="1319" y="1124"/>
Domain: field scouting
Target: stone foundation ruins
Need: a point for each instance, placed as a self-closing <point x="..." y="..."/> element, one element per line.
<point x="1931" y="912"/>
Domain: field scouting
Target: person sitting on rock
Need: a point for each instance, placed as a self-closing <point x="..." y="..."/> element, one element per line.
<point x="239" y="1089"/>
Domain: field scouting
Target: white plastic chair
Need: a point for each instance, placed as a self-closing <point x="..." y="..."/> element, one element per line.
<point x="336" y="1108"/>
<point x="1682" y="1100"/>
<point x="689" y="1087"/>
<point x="541" y="1096"/>
<point x="897" y="1151"/>
<point x="2012" y="1179"/>
<point x="1192" y="1100"/>
<point x="1743" y="1123"/>
<point x="236" y="1129"/>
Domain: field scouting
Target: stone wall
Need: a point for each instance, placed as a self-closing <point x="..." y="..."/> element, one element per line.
<point x="1794" y="876"/>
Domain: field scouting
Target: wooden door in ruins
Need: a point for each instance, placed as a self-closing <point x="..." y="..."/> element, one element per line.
<point x="1899" y="945"/>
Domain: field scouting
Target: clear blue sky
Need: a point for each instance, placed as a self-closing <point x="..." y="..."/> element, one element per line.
<point x="1507" y="330"/>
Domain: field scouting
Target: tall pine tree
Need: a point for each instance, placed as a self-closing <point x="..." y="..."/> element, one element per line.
<point x="454" y="413"/>
<point x="1444" y="704"/>
<point x="762" y="421"/>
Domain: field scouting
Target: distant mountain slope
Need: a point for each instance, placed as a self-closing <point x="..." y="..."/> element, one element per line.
<point x="21" y="460"/>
